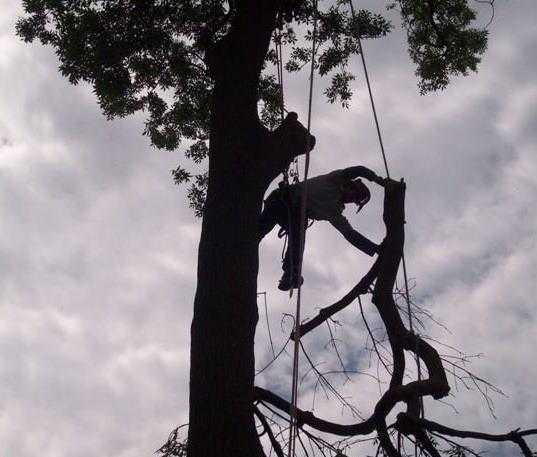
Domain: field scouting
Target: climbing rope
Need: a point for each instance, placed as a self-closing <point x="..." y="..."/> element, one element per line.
<point x="293" y="426"/>
<point x="366" y="74"/>
<point x="279" y="71"/>
<point x="279" y="60"/>
<point x="381" y="143"/>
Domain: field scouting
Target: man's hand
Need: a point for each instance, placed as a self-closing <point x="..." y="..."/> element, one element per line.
<point x="373" y="177"/>
<point x="363" y="172"/>
<point x="379" y="180"/>
<point x="388" y="181"/>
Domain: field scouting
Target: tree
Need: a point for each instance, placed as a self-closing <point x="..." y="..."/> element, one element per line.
<point x="200" y="70"/>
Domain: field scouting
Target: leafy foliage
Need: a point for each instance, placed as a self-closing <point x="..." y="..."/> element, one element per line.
<point x="138" y="56"/>
<point x="441" y="41"/>
<point x="336" y="42"/>
<point x="175" y="446"/>
<point x="197" y="192"/>
<point x="149" y="55"/>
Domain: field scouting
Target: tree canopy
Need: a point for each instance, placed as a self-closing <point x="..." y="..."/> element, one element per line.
<point x="152" y="56"/>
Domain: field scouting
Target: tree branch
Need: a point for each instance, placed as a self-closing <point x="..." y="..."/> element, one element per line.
<point x="276" y="446"/>
<point x="516" y="436"/>
<point x="308" y="418"/>
<point x="325" y="313"/>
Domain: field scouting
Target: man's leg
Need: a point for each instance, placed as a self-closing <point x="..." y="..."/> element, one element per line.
<point x="290" y="278"/>
<point x="272" y="213"/>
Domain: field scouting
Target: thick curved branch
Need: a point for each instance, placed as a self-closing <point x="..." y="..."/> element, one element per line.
<point x="400" y="338"/>
<point x="308" y="418"/>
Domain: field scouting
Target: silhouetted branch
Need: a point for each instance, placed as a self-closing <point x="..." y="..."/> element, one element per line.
<point x="325" y="313"/>
<point x="516" y="436"/>
<point x="273" y="441"/>
<point x="308" y="418"/>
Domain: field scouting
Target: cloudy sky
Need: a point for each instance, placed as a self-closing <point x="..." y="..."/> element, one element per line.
<point x="98" y="247"/>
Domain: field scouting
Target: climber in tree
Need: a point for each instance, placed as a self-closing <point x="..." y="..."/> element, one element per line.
<point x="326" y="197"/>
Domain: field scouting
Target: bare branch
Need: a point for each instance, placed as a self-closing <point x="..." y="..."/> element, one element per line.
<point x="325" y="313"/>
<point x="515" y="436"/>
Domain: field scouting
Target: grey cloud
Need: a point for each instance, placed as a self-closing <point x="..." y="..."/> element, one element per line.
<point x="99" y="248"/>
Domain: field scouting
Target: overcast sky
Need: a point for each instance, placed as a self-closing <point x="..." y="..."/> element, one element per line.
<point x="98" y="247"/>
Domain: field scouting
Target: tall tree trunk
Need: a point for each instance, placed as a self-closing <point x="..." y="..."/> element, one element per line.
<point x="223" y="328"/>
<point x="225" y="309"/>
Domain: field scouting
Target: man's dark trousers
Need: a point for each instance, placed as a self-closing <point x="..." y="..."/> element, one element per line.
<point x="282" y="207"/>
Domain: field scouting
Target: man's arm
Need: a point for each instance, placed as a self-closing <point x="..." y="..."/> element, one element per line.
<point x="342" y="225"/>
<point x="363" y="172"/>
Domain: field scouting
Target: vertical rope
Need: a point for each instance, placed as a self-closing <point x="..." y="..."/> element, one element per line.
<point x="279" y="60"/>
<point x="381" y="143"/>
<point x="362" y="55"/>
<point x="293" y="429"/>
<point x="279" y="72"/>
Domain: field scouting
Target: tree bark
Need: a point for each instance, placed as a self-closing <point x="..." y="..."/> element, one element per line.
<point x="225" y="310"/>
